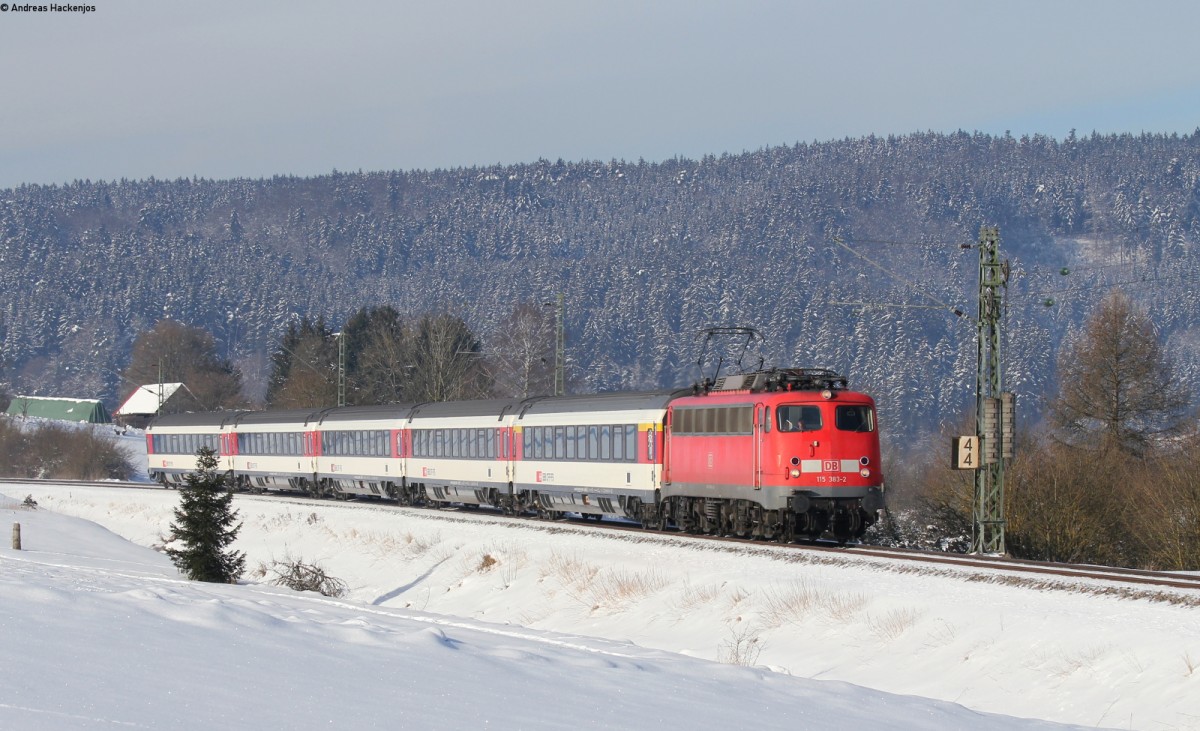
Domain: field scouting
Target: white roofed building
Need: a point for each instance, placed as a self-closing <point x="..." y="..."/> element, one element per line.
<point x="147" y="402"/>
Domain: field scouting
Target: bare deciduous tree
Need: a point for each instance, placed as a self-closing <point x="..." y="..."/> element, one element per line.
<point x="522" y="353"/>
<point x="187" y="355"/>
<point x="1117" y="389"/>
<point x="448" y="361"/>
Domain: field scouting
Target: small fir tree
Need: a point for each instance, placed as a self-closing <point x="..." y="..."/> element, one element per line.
<point x="204" y="525"/>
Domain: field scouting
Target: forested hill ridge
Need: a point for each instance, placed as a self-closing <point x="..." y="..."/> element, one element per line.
<point x="646" y="254"/>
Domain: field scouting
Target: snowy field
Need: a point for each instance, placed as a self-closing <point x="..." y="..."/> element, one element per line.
<point x="467" y="619"/>
<point x="457" y="618"/>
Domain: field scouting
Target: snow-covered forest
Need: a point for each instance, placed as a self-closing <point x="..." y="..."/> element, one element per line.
<point x="645" y="253"/>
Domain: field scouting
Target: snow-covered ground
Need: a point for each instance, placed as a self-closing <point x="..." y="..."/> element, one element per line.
<point x="457" y="619"/>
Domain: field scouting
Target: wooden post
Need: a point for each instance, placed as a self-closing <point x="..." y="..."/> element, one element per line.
<point x="16" y="536"/>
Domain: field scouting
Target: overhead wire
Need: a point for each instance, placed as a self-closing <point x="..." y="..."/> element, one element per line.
<point x="941" y="305"/>
<point x="1026" y="298"/>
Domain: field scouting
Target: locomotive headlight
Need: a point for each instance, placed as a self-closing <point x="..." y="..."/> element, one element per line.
<point x="795" y="473"/>
<point x="827" y="394"/>
<point x="865" y="472"/>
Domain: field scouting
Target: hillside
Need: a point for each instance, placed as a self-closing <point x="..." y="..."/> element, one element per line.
<point x="646" y="253"/>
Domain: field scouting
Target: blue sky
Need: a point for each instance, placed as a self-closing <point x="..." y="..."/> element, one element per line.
<point x="236" y="89"/>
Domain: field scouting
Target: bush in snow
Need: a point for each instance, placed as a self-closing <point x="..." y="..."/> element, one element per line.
<point x="300" y="576"/>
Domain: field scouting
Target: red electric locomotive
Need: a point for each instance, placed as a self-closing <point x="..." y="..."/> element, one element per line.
<point x="777" y="454"/>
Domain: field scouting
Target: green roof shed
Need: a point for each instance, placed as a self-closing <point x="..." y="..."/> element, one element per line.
<point x="61" y="409"/>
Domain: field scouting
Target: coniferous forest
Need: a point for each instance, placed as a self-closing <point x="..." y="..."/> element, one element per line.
<point x="790" y="240"/>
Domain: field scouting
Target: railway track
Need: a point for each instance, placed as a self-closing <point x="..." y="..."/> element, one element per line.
<point x="1059" y="572"/>
<point x="79" y="483"/>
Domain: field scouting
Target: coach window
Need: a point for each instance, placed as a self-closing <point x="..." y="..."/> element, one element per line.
<point x="569" y="436"/>
<point x="581" y="440"/>
<point x="618" y="443"/>
<point x="605" y="443"/>
<point x="631" y="442"/>
<point x="593" y="449"/>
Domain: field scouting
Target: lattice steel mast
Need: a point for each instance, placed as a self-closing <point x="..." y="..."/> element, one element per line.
<point x="994" y="412"/>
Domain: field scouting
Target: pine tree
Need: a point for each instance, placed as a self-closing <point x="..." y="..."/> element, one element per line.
<point x="204" y="524"/>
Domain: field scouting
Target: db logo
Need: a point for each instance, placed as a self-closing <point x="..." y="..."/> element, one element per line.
<point x="831" y="465"/>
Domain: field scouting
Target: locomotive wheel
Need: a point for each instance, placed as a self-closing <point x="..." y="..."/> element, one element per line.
<point x="847" y="524"/>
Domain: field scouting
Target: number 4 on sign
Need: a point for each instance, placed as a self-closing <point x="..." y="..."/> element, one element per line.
<point x="965" y="453"/>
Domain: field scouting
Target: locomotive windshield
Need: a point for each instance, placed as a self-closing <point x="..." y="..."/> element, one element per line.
<point x="798" y="418"/>
<point x="854" y="418"/>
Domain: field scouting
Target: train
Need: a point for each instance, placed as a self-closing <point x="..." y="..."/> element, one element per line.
<point x="778" y="454"/>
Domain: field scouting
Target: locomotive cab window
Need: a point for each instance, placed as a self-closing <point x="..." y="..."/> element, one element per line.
<point x="855" y="418"/>
<point x="798" y="418"/>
